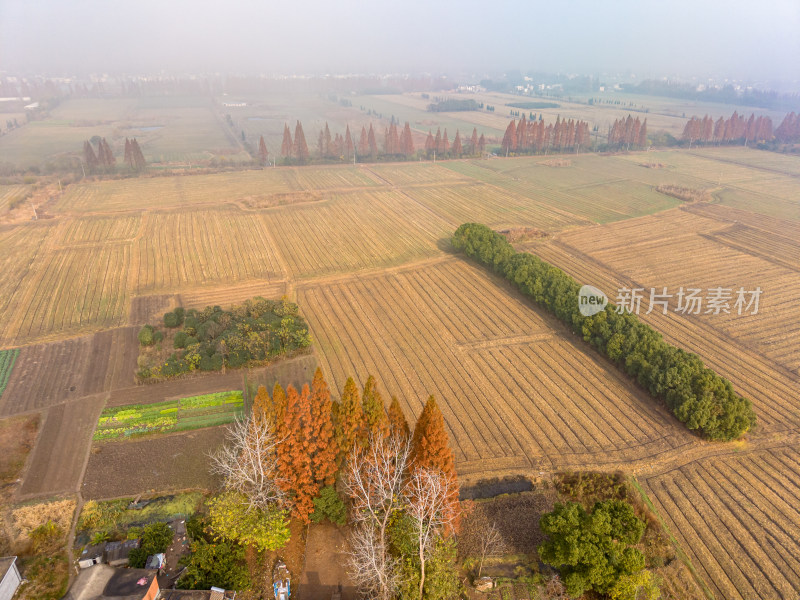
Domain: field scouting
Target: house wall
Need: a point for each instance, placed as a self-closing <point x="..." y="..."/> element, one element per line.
<point x="152" y="591"/>
<point x="10" y="583"/>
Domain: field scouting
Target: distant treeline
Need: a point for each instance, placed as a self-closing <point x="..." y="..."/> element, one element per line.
<point x="532" y="105"/>
<point x="531" y="137"/>
<point x="453" y="106"/>
<point x="697" y="396"/>
<point x="724" y="95"/>
<point x="734" y="130"/>
<point x="628" y="132"/>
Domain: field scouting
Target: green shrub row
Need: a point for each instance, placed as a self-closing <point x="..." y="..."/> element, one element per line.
<point x="697" y="396"/>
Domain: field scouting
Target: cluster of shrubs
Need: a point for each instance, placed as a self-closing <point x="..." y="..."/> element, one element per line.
<point x="207" y="340"/>
<point x="699" y="397"/>
<point x="155" y="539"/>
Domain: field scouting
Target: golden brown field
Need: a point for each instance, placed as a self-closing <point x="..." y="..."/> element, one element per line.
<point x="365" y="252"/>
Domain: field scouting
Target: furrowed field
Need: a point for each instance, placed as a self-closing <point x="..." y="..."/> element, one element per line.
<point x="738" y="519"/>
<point x="365" y="252"/>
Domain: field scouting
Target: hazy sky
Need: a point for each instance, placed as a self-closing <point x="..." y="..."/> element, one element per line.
<point x="724" y="38"/>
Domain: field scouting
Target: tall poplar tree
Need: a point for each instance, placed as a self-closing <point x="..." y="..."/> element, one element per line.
<point x="373" y="146"/>
<point x="408" y="142"/>
<point x="323" y="460"/>
<point x="430" y="449"/>
<point x="263" y="155"/>
<point x="398" y="425"/>
<point x="300" y="146"/>
<point x="373" y="414"/>
<point x="348" y="419"/>
<point x="457" y="150"/>
<point x="287" y="146"/>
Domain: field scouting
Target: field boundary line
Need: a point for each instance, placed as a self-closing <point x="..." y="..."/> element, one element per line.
<point x="743" y="164"/>
<point x="370" y="273"/>
<point x="716" y="236"/>
<point x="684" y="558"/>
<point x="513" y="340"/>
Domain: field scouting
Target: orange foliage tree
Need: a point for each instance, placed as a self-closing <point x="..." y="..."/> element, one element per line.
<point x="430" y="449"/>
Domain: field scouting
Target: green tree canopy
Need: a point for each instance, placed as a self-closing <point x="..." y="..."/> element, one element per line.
<point x="215" y="564"/>
<point x="592" y="549"/>
<point x="233" y="519"/>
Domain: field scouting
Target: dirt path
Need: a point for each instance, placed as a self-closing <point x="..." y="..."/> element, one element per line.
<point x="325" y="565"/>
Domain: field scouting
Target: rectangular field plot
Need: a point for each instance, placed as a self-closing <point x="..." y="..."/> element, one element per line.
<point x="769" y="385"/>
<point x="186" y="249"/>
<point x="739" y="198"/>
<point x="97" y="230"/>
<point x="19" y="247"/>
<point x="170" y="192"/>
<point x="769" y="161"/>
<point x="192" y="190"/>
<point x="496" y="207"/>
<point x="72" y="290"/>
<point x="586" y="189"/>
<point x="657" y="254"/>
<point x="416" y="173"/>
<point x="738" y="519"/>
<point x="208" y="410"/>
<point x="505" y="381"/>
<point x="355" y="231"/>
<point x="328" y="178"/>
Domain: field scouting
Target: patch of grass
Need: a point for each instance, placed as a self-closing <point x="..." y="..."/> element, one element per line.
<point x="115" y="516"/>
<point x="194" y="412"/>
<point x="47" y="577"/>
<point x="7" y="360"/>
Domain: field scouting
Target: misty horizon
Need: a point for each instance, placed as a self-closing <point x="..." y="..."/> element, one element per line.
<point x="743" y="41"/>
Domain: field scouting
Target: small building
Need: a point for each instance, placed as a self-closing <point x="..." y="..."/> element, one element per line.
<point x="91" y="555"/>
<point x="107" y="583"/>
<point x="116" y="553"/>
<point x="10" y="577"/>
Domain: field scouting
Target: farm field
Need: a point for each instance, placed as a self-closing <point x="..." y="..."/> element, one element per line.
<point x="365" y="253"/>
<point x="194" y="190"/>
<point x="49" y="374"/>
<point x="10" y="193"/>
<point x="449" y="330"/>
<point x="57" y="462"/>
<point x="737" y="518"/>
<point x="652" y="253"/>
<point x="194" y="412"/>
<point x="165" y="463"/>
<point x="190" y="248"/>
<point x="166" y="235"/>
<point x="170" y="129"/>
<point x="354" y="231"/>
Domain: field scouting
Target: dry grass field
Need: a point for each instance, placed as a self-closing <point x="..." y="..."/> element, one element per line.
<point x="737" y="517"/>
<point x="364" y="251"/>
<point x="514" y="392"/>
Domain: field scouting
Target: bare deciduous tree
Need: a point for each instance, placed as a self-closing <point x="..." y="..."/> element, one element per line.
<point x="374" y="571"/>
<point x="375" y="483"/>
<point x="248" y="465"/>
<point x="490" y="544"/>
<point x="429" y="507"/>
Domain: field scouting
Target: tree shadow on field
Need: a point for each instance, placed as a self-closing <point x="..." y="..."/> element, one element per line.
<point x="445" y="245"/>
